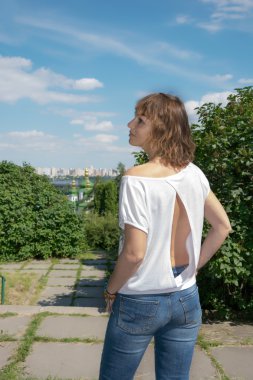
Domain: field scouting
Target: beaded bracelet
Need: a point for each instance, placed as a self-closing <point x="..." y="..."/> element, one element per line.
<point x="110" y="296"/>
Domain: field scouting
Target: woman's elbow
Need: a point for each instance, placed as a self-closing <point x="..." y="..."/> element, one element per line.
<point x="225" y="229"/>
<point x="134" y="257"/>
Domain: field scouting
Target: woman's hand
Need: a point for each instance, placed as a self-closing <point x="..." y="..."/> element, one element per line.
<point x="108" y="307"/>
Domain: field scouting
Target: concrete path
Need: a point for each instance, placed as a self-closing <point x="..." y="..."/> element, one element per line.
<point x="68" y="325"/>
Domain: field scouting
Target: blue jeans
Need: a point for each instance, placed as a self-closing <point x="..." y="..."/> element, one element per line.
<point x="173" y="319"/>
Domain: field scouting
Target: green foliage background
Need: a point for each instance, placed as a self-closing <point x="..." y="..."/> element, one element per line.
<point x="36" y="220"/>
<point x="106" y="198"/>
<point x="101" y="225"/>
<point x="224" y="139"/>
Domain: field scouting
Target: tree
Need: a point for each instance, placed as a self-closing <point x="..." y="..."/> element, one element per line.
<point x="106" y="198"/>
<point x="121" y="170"/>
<point x="36" y="219"/>
<point x="224" y="140"/>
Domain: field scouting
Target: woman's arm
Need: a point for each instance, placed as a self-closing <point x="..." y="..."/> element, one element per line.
<point x="220" y="228"/>
<point x="131" y="257"/>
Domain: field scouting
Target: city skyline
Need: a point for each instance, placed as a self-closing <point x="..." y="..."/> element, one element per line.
<point x="76" y="172"/>
<point x="71" y="72"/>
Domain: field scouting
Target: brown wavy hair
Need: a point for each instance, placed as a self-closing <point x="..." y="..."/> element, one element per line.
<point x="170" y="136"/>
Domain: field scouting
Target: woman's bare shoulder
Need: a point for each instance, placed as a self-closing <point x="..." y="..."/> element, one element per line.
<point x="140" y="170"/>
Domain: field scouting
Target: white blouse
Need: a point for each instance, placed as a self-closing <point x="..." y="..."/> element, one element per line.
<point x="148" y="204"/>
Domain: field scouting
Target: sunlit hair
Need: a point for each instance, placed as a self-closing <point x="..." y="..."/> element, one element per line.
<point x="170" y="136"/>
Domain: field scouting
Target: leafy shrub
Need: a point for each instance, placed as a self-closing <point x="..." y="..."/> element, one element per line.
<point x="106" y="198"/>
<point x="36" y="220"/>
<point x="102" y="232"/>
<point x="224" y="152"/>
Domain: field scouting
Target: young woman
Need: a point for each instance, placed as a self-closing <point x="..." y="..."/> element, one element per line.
<point x="152" y="291"/>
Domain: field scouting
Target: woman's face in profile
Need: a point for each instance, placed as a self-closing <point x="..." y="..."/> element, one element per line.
<point x="140" y="128"/>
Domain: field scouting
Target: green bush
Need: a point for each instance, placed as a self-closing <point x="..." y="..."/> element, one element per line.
<point x="106" y="198"/>
<point x="224" y="140"/>
<point x="102" y="232"/>
<point x="36" y="220"/>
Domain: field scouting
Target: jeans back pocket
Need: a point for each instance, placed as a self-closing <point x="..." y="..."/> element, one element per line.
<point x="136" y="316"/>
<point x="191" y="307"/>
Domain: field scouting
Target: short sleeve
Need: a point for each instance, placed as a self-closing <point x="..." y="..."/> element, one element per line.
<point x="132" y="204"/>
<point x="204" y="183"/>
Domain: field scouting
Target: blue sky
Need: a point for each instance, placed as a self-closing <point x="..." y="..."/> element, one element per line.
<point x="72" y="71"/>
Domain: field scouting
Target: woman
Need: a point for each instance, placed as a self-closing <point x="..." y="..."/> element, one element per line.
<point x="152" y="291"/>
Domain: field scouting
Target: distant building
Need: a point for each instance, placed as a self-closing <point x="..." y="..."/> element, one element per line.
<point x="75" y="172"/>
<point x="83" y="196"/>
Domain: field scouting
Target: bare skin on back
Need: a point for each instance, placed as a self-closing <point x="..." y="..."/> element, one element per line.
<point x="180" y="225"/>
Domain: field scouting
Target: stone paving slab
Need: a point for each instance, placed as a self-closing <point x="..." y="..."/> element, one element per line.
<point x="82" y="361"/>
<point x="69" y="261"/>
<point x="11" y="265"/>
<point x="41" y="272"/>
<point x="14" y="325"/>
<point x="91" y="282"/>
<point x="74" y="361"/>
<point x="94" y="262"/>
<point x="63" y="291"/>
<point x="57" y="295"/>
<point x="94" y="267"/>
<point x="66" y="266"/>
<point x="62" y="273"/>
<point x="89" y="302"/>
<point x="202" y="368"/>
<point x="63" y="281"/>
<point x="228" y="333"/>
<point x="3" y="271"/>
<point x="101" y="267"/>
<point x="90" y="292"/>
<point x="38" y="265"/>
<point x="55" y="301"/>
<point x="61" y="327"/>
<point x="92" y="273"/>
<point x="237" y="362"/>
<point x="7" y="349"/>
<point x="32" y="310"/>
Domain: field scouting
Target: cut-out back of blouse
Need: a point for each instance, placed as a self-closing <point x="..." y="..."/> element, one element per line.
<point x="171" y="211"/>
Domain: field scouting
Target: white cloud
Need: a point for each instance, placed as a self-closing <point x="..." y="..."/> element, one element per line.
<point x="210" y="26"/>
<point x="7" y="146"/>
<point x="27" y="134"/>
<point x="215" y="97"/>
<point x="141" y="52"/>
<point x="105" y="139"/>
<point x="87" y="84"/>
<point x="102" y="126"/>
<point x="245" y="81"/>
<point x="174" y="51"/>
<point x="91" y="123"/>
<point x="96" y="141"/>
<point x="190" y="109"/>
<point x="53" y="79"/>
<point x="222" y="78"/>
<point x="76" y="122"/>
<point x="183" y="19"/>
<point x="34" y="140"/>
<point x="101" y="143"/>
<point x="17" y="81"/>
<point x="14" y="62"/>
<point x="119" y="149"/>
<point x="225" y="10"/>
